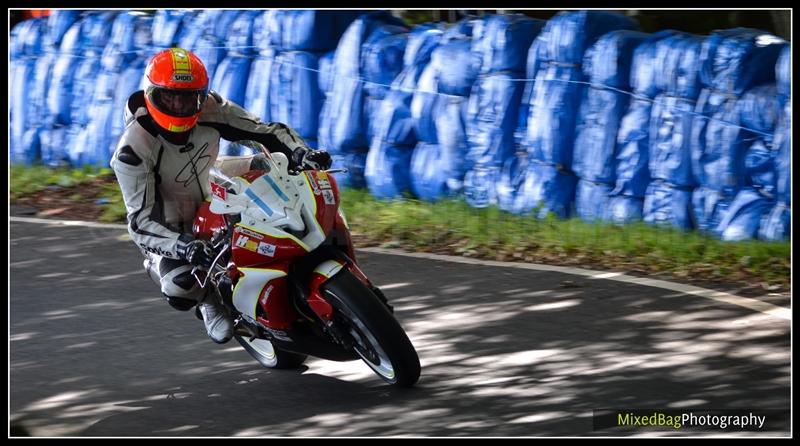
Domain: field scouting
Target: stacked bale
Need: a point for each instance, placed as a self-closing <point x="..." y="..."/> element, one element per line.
<point x="494" y="102"/>
<point x="608" y="66"/>
<point x="438" y="110"/>
<point x="394" y="138"/>
<point x="345" y="117"/>
<point x="668" y="196"/>
<point x="558" y="89"/>
<point x="732" y="63"/>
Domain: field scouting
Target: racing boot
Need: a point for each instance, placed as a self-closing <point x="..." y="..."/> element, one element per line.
<point x="219" y="325"/>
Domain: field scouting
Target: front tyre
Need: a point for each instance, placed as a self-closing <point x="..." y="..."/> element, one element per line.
<point x="263" y="351"/>
<point x="376" y="335"/>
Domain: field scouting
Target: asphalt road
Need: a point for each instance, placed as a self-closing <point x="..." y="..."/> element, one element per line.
<point x="94" y="351"/>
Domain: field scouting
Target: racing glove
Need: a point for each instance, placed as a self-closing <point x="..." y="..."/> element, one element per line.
<point x="199" y="253"/>
<point x="317" y="160"/>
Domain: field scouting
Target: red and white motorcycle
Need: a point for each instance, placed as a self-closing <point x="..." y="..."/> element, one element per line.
<point x="286" y="269"/>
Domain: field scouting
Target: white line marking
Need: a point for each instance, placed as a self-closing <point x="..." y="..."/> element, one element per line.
<point x="719" y="296"/>
<point x="88" y="224"/>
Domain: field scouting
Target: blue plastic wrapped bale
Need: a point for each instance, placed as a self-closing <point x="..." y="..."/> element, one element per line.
<point x="462" y="29"/>
<point x="480" y="186"/>
<point x="348" y="58"/>
<point x="568" y="35"/>
<point x="230" y="78"/>
<point x="678" y="65"/>
<point x="644" y="76"/>
<point x="94" y="143"/>
<point x="240" y="37"/>
<point x="167" y="24"/>
<point x="783" y="169"/>
<point x="393" y="123"/>
<point x="387" y="170"/>
<point x="424" y="103"/>
<point x="73" y="41"/>
<point x="127" y="83"/>
<point x="759" y="110"/>
<point x="596" y="131"/>
<point x="552" y="115"/>
<point x="510" y="182"/>
<point x="533" y="65"/>
<point x="743" y="218"/>
<point x="709" y="207"/>
<point x="96" y="31"/>
<point x="342" y="125"/>
<point x="60" y="93"/>
<point x="31" y="143"/>
<point x="491" y="118"/>
<point x="370" y="114"/>
<point x="506" y="41"/>
<point x="259" y="87"/>
<point x="355" y="163"/>
<point x="222" y="23"/>
<point x="326" y="69"/>
<point x="54" y="146"/>
<point x="192" y="32"/>
<point x="436" y="172"/>
<point x="670" y="134"/>
<point x="422" y="41"/>
<point x="783" y="74"/>
<point x="735" y="60"/>
<point x="759" y="163"/>
<point x="777" y="224"/>
<point x="623" y="209"/>
<point x="718" y="143"/>
<point x="592" y="200"/>
<point x="58" y="22"/>
<point x="457" y="67"/>
<point x="450" y="128"/>
<point x="28" y="38"/>
<point x="130" y="33"/>
<point x="633" y="150"/>
<point x="667" y="205"/>
<point x="212" y="52"/>
<point x="548" y="189"/>
<point x="307" y="30"/>
<point x="608" y="62"/>
<point x="23" y="115"/>
<point x="294" y="95"/>
<point x="37" y="91"/>
<point x="16" y="40"/>
<point x="83" y="89"/>
<point x="382" y="59"/>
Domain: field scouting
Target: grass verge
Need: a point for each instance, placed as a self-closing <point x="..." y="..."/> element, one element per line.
<point x="452" y="227"/>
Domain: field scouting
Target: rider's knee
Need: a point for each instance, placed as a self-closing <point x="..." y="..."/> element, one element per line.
<point x="180" y="303"/>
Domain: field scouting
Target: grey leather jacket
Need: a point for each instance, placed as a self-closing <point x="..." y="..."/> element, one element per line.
<point x="164" y="181"/>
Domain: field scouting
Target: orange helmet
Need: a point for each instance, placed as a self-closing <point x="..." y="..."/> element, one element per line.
<point x="176" y="87"/>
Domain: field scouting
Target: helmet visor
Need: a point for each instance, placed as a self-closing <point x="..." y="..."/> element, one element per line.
<point x="177" y="103"/>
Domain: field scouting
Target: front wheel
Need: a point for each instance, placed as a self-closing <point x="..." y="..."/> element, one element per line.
<point x="376" y="335"/>
<point x="263" y="351"/>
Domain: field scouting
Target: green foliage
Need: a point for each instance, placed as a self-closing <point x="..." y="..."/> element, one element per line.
<point x="453" y="226"/>
<point x="27" y="180"/>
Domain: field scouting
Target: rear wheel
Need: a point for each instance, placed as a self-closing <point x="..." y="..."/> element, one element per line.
<point x="264" y="352"/>
<point x="376" y="335"/>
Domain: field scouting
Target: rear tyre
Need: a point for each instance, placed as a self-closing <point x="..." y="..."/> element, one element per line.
<point x="377" y="336"/>
<point x="263" y="351"/>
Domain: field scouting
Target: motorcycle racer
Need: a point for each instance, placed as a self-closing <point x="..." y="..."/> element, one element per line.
<point x="162" y="163"/>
